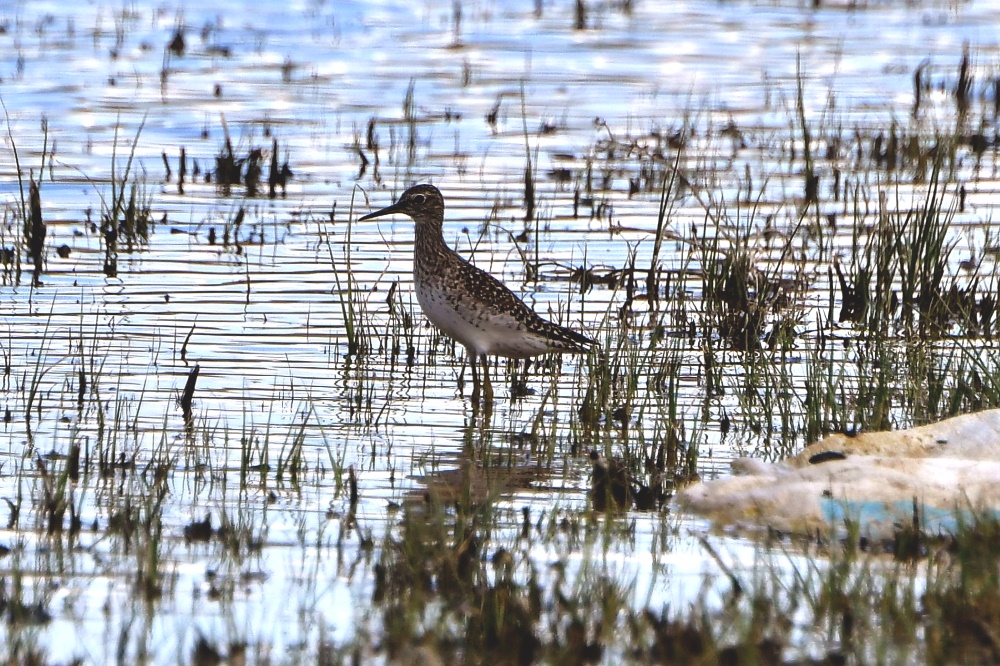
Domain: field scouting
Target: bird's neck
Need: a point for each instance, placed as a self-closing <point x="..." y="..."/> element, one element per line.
<point x="429" y="240"/>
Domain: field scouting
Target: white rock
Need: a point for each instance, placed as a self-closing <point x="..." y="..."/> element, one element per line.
<point x="874" y="479"/>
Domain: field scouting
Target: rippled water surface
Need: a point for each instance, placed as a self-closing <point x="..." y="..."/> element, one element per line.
<point x="313" y="357"/>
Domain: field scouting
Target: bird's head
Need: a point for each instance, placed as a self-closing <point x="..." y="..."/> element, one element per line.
<point x="422" y="203"/>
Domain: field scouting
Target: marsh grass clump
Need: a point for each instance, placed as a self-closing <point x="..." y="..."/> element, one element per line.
<point x="962" y="605"/>
<point x="126" y="215"/>
<point x="278" y="176"/>
<point x="443" y="586"/>
<point x="352" y="298"/>
<point x="29" y="210"/>
<point x="611" y="484"/>
<point x="58" y="498"/>
<point x="631" y="416"/>
<point x="400" y="337"/>
<point x="231" y="169"/>
<point x="745" y="305"/>
<point x="937" y="604"/>
<point x="34" y="231"/>
<point x="450" y="587"/>
<point x="228" y="169"/>
<point x="900" y="273"/>
<point x="901" y="338"/>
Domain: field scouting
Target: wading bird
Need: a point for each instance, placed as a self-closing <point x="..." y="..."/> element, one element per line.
<point x="468" y="304"/>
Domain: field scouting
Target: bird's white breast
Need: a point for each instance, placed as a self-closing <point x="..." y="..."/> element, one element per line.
<point x="480" y="330"/>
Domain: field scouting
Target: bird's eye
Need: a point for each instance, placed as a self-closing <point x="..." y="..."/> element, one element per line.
<point x="419" y="198"/>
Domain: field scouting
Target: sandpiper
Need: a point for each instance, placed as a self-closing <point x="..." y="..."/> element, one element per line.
<point x="468" y="304"/>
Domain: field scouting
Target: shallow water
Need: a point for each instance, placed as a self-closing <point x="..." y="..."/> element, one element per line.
<point x="264" y="315"/>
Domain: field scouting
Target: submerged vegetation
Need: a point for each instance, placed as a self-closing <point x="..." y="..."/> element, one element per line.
<point x="448" y="590"/>
<point x="231" y="435"/>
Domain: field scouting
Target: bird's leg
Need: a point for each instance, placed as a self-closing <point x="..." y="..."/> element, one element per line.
<point x="475" y="377"/>
<point x="487" y="387"/>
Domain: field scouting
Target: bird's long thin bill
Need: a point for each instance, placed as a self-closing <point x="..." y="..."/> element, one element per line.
<point x="388" y="210"/>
